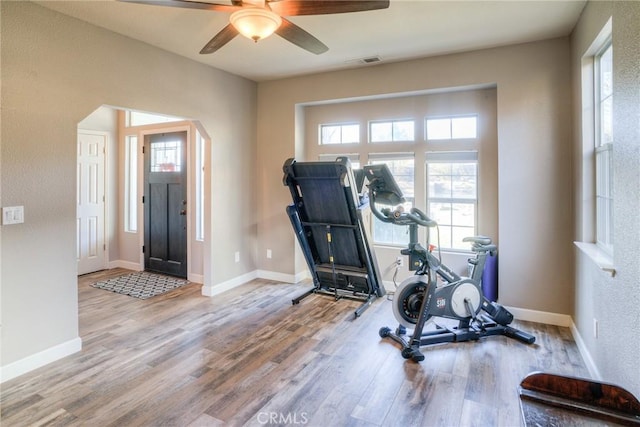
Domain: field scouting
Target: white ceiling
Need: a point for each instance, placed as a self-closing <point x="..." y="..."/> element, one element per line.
<point x="408" y="29"/>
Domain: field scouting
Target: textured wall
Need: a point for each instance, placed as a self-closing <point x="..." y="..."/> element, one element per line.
<point x="534" y="155"/>
<point x="55" y="71"/>
<point x="613" y="301"/>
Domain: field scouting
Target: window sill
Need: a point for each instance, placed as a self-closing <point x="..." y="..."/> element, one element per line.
<point x="390" y="246"/>
<point x="602" y="259"/>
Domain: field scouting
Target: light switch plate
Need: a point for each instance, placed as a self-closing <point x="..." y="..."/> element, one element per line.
<point x="12" y="215"/>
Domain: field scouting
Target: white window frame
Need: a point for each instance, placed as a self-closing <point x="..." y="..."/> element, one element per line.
<point x="199" y="178"/>
<point x="452" y="157"/>
<point x="354" y="158"/>
<point x="131" y="184"/>
<point x="451" y="120"/>
<point x="603" y="157"/>
<point x="141" y="118"/>
<point x="393" y="126"/>
<point x="342" y="139"/>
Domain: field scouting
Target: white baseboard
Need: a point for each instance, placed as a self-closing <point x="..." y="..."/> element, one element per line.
<point x="305" y="275"/>
<point x="278" y="277"/>
<point x="212" y="290"/>
<point x="584" y="352"/>
<point x="541" y="316"/>
<point x="563" y="320"/>
<point x="196" y="278"/>
<point x="35" y="361"/>
<point x="125" y="264"/>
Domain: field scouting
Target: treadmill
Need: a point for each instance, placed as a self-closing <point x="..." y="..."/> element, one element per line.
<point x="329" y="216"/>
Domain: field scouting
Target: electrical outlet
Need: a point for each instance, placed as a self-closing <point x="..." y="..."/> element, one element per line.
<point x="595" y="328"/>
<point x="237" y="256"/>
<point x="400" y="261"/>
<point x="269" y="253"/>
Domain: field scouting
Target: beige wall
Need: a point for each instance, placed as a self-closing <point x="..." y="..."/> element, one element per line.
<point x="534" y="154"/>
<point x="613" y="301"/>
<point x="55" y="71"/>
<point x="480" y="102"/>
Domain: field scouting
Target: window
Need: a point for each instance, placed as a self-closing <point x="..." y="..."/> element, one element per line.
<point x="603" y="90"/>
<point x="131" y="184"/>
<point x="390" y="131"/>
<point x="137" y="118"/>
<point x="166" y="156"/>
<point x="340" y="134"/>
<point x="463" y="127"/>
<point x="200" y="199"/>
<point x="402" y="169"/>
<point x="452" y="188"/>
<point x="353" y="158"/>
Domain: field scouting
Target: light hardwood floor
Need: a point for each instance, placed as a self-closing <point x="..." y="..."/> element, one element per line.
<point x="248" y="357"/>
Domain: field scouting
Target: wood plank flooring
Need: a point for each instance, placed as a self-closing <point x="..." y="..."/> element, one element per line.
<point x="248" y="357"/>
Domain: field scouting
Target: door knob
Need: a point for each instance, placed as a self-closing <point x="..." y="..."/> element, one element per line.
<point x="183" y="212"/>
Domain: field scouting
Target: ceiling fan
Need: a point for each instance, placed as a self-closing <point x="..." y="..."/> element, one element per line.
<point x="258" y="19"/>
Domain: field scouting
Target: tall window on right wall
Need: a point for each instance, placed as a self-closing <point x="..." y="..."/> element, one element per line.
<point x="603" y="91"/>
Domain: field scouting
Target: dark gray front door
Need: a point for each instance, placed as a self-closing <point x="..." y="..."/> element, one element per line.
<point x="165" y="203"/>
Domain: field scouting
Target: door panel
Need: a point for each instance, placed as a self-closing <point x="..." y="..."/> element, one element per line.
<point x="177" y="226"/>
<point x="90" y="197"/>
<point x="165" y="203"/>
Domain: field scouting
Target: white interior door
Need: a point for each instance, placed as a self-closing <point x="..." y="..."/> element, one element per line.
<point x="91" y="248"/>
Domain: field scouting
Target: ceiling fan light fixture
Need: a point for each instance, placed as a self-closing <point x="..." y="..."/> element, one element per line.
<point x="255" y="23"/>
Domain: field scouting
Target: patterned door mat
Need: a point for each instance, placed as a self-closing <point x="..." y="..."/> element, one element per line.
<point x="141" y="284"/>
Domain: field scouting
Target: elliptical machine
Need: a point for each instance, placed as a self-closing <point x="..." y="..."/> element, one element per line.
<point x="420" y="298"/>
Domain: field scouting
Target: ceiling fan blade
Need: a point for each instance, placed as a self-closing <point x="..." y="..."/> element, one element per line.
<point x="324" y="7"/>
<point x="296" y="35"/>
<point x="223" y="37"/>
<point x="187" y="4"/>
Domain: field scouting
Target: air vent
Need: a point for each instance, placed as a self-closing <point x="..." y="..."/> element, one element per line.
<point x="370" y="60"/>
